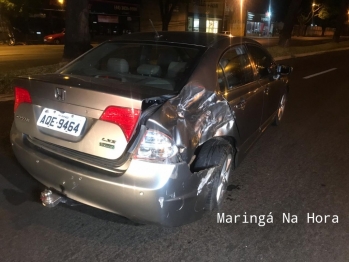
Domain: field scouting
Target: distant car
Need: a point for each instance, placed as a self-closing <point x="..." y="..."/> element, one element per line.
<point x="56" y="39"/>
<point x="148" y="126"/>
<point x="18" y="36"/>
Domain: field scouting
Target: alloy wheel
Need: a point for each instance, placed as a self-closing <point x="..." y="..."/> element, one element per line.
<point x="223" y="179"/>
<point x="281" y="108"/>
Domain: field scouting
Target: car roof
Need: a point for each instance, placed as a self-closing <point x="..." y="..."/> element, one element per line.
<point x="183" y="37"/>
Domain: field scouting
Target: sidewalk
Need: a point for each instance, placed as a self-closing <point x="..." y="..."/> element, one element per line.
<point x="8" y="97"/>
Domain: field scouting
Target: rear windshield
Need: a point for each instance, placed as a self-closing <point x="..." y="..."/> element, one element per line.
<point x="157" y="65"/>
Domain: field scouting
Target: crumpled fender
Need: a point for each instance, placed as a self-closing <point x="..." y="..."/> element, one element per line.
<point x="194" y="116"/>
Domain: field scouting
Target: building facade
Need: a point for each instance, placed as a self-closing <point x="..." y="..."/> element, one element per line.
<point x="115" y="17"/>
<point x="215" y="16"/>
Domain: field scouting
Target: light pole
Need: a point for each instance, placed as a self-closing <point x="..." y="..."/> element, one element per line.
<point x="312" y="11"/>
<point x="269" y="21"/>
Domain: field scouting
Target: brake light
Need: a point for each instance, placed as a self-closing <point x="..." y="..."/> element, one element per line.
<point x="124" y="117"/>
<point x="21" y="96"/>
<point x="155" y="146"/>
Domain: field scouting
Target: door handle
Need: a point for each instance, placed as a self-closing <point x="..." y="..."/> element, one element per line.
<point x="241" y="105"/>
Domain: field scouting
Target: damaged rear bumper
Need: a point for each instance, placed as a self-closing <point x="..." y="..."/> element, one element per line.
<point x="165" y="194"/>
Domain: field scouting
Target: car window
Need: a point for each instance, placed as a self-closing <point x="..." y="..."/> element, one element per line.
<point x="234" y="69"/>
<point x="262" y="60"/>
<point x="160" y="66"/>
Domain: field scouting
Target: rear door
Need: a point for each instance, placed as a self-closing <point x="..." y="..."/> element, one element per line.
<point x="271" y="87"/>
<point x="237" y="83"/>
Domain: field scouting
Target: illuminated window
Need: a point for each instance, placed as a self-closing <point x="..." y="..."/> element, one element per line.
<point x="196" y="25"/>
<point x="212" y="26"/>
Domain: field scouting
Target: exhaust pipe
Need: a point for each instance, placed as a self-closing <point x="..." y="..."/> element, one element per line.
<point x="50" y="199"/>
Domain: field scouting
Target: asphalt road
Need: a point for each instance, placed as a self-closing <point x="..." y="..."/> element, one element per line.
<point x="299" y="167"/>
<point x="25" y="56"/>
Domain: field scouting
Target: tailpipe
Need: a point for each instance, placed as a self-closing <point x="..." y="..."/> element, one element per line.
<point x="50" y="199"/>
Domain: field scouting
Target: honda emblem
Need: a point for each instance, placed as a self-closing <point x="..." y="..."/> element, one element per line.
<point x="60" y="94"/>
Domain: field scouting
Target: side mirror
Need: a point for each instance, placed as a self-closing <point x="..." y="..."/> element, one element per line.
<point x="284" y="70"/>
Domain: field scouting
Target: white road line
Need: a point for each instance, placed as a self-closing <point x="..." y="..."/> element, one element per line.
<point x="320" y="73"/>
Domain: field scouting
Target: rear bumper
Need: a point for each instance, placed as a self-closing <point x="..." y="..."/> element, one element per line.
<point x="165" y="194"/>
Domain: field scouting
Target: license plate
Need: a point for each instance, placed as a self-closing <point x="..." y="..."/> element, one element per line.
<point x="62" y="122"/>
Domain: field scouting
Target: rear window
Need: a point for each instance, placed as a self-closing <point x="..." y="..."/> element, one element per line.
<point x="158" y="65"/>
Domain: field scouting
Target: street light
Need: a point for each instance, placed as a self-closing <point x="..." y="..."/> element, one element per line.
<point x="312" y="10"/>
<point x="269" y="21"/>
<point x="61" y="2"/>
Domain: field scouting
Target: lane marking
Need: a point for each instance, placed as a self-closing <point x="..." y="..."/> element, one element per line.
<point x="320" y="73"/>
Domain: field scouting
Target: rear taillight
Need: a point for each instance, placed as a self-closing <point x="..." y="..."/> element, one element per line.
<point x="126" y="118"/>
<point x="21" y="96"/>
<point x="155" y="146"/>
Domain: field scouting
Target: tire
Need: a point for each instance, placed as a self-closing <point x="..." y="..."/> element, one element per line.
<point x="217" y="154"/>
<point x="207" y="156"/>
<point x="56" y="41"/>
<point x="280" y="110"/>
<point x="221" y="177"/>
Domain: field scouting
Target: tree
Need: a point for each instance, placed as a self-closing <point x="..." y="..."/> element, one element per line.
<point x="341" y="19"/>
<point x="326" y="14"/>
<point x="285" y="36"/>
<point x="15" y="8"/>
<point x="304" y="19"/>
<point x="77" y="34"/>
<point x="166" y="10"/>
<point x="6" y="7"/>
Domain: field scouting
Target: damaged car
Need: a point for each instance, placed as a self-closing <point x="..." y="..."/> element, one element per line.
<point x="148" y="126"/>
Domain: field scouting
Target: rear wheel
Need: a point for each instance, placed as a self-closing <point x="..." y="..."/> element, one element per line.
<point x="280" y="110"/>
<point x="57" y="42"/>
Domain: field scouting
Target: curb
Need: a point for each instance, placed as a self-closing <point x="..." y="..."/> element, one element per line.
<point x="4" y="98"/>
<point x="309" y="54"/>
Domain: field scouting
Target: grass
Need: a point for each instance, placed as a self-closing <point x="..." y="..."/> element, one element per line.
<point x="6" y="79"/>
<point x="278" y="51"/>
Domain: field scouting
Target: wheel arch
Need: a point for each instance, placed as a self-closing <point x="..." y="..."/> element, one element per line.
<point x="204" y="150"/>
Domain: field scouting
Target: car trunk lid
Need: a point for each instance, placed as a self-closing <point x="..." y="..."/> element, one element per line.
<point x="104" y="113"/>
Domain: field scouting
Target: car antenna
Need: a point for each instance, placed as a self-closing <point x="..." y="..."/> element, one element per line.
<point x="157" y="36"/>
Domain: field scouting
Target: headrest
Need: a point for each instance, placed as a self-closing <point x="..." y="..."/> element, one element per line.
<point x="167" y="57"/>
<point x="118" y="65"/>
<point x="174" y="68"/>
<point x="149" y="70"/>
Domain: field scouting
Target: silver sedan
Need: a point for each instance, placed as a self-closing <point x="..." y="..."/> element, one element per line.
<point x="148" y="126"/>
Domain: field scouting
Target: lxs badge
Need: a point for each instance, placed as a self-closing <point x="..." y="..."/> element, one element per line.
<point x="106" y="145"/>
